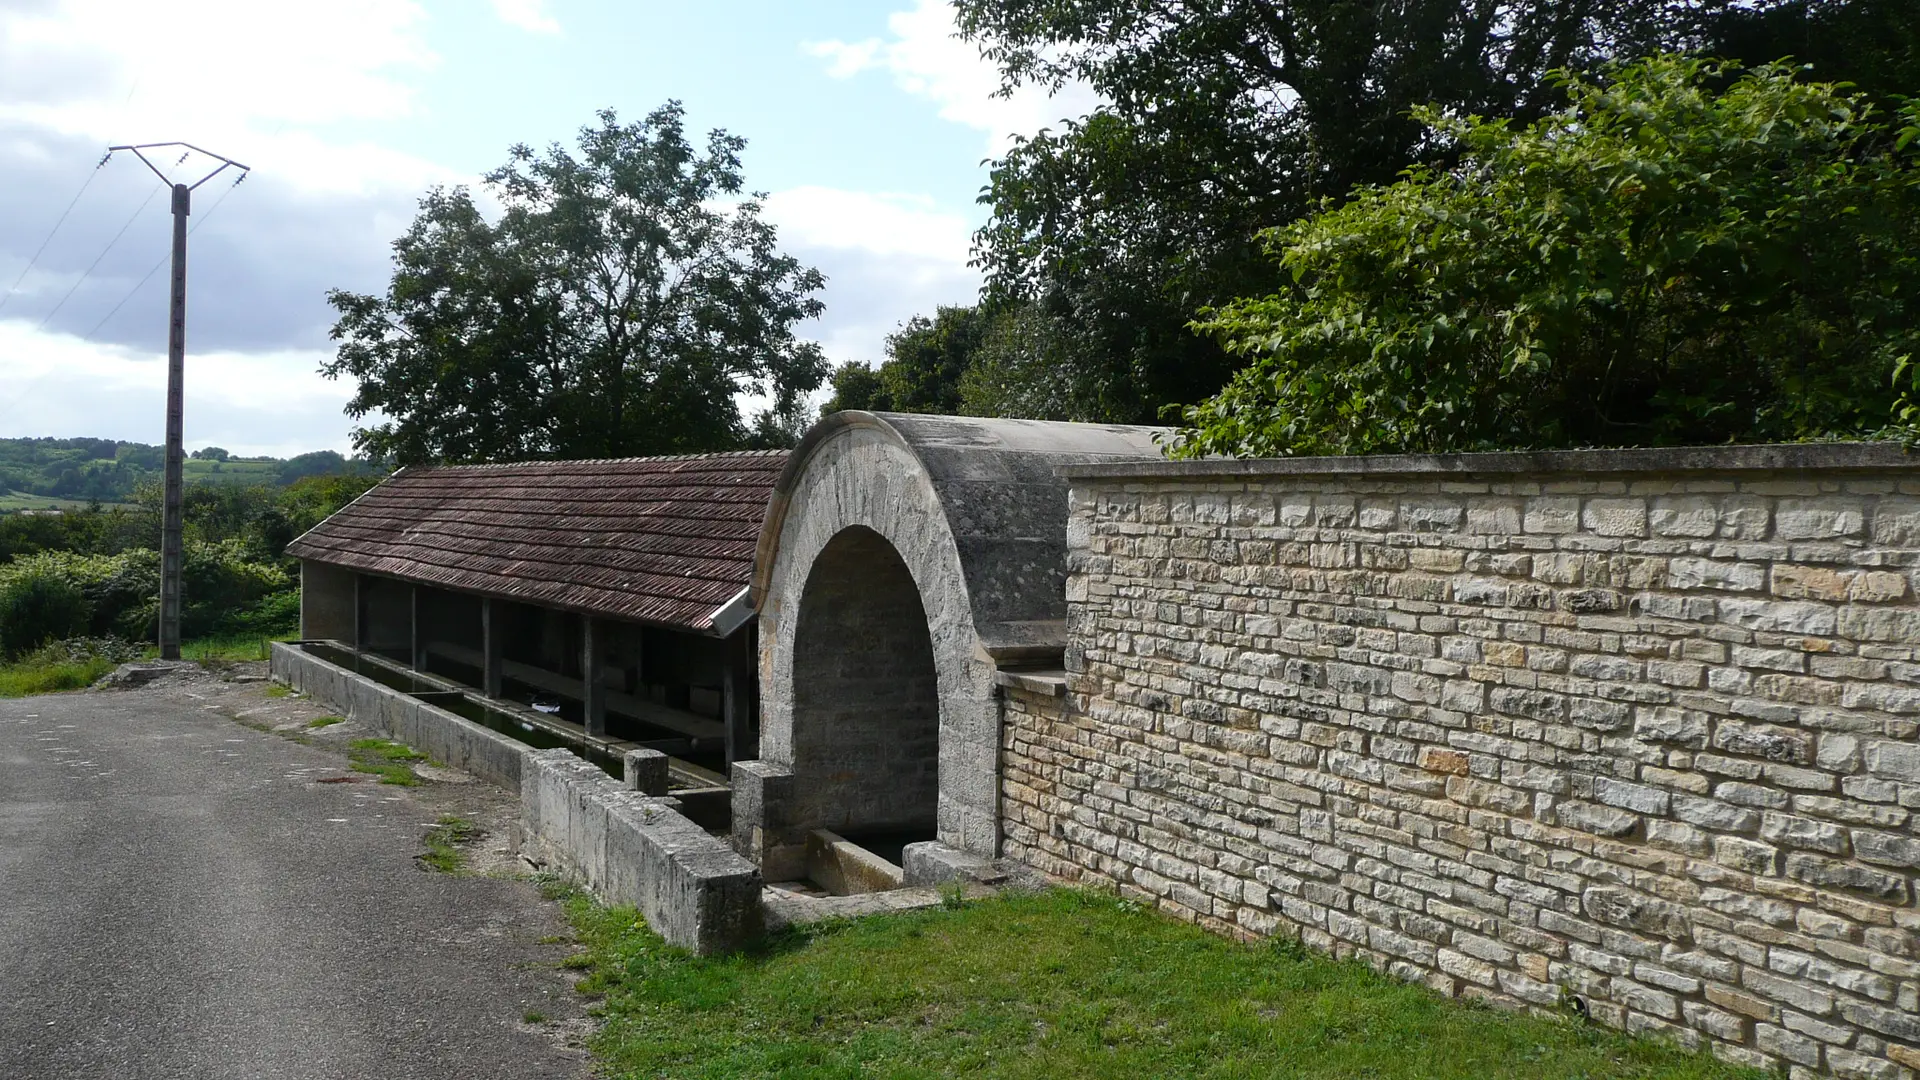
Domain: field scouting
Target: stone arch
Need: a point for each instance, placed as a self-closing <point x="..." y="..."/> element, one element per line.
<point x="865" y="735"/>
<point x="976" y="514"/>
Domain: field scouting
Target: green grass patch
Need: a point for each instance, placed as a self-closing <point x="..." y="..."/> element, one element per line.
<point x="1059" y="984"/>
<point x="276" y="690"/>
<point x="229" y="648"/>
<point x="388" y="760"/>
<point x="444" y="839"/>
<point x="28" y="677"/>
<point x="325" y="721"/>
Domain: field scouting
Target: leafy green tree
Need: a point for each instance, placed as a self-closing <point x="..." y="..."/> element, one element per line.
<point x="1872" y="44"/>
<point x="1683" y="254"/>
<point x="1220" y="120"/>
<point x="857" y="386"/>
<point x="1223" y="119"/>
<point x="627" y="296"/>
<point x="921" y="374"/>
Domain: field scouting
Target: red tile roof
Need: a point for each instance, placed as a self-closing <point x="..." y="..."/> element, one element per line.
<point x="656" y="540"/>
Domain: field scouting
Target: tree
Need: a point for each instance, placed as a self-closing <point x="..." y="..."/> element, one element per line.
<point x="1873" y="44"/>
<point x="1685" y="253"/>
<point x="210" y="453"/>
<point x="857" y="386"/>
<point x="1222" y="119"/>
<point x="921" y="374"/>
<point x="625" y="298"/>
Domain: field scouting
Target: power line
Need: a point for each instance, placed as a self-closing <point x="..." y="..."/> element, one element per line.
<point x="42" y="249"/>
<point x="162" y="261"/>
<point x="82" y="279"/>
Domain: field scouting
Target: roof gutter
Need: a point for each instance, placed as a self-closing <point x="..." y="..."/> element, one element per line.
<point x="733" y="614"/>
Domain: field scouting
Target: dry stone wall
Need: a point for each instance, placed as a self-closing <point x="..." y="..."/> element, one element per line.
<point x="1630" y="734"/>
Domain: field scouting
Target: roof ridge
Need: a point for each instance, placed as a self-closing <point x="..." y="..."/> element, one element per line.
<point x="715" y="455"/>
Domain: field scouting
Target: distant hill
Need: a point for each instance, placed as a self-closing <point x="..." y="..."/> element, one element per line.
<point x="48" y="473"/>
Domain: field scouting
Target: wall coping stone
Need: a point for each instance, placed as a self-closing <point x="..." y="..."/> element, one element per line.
<point x="1770" y="457"/>
<point x="1044" y="683"/>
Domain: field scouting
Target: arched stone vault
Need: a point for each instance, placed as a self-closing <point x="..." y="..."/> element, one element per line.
<point x="975" y="512"/>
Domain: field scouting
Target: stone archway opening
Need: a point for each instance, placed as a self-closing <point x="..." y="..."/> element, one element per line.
<point x="866" y="701"/>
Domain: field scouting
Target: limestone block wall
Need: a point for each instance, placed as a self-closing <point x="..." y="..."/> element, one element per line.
<point x="1633" y="733"/>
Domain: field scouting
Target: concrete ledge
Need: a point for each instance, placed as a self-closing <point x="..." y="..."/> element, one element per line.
<point x="441" y="735"/>
<point x="1044" y="683"/>
<point x="935" y="863"/>
<point x="1875" y="456"/>
<point x="844" y="868"/>
<point x="630" y="848"/>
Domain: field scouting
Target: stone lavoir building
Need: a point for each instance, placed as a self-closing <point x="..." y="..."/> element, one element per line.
<point x="1628" y="732"/>
<point x="610" y="594"/>
<point x="1634" y="733"/>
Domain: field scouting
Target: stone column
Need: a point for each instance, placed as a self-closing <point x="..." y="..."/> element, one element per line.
<point x="737" y="698"/>
<point x="593" y="696"/>
<point x="492" y="647"/>
<point x="417" y="633"/>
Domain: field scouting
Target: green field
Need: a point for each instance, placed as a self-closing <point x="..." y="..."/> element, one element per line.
<point x="233" y="472"/>
<point x="11" y="501"/>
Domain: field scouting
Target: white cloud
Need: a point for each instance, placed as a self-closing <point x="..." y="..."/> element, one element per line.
<point x="887" y="257"/>
<point x="232" y="75"/>
<point x="529" y="15"/>
<point x="927" y="60"/>
<point x="885" y="224"/>
<point x="251" y="403"/>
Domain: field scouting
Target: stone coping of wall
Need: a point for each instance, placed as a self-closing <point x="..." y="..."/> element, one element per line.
<point x="626" y="847"/>
<point x="629" y="848"/>
<point x="1044" y="683"/>
<point x="441" y="735"/>
<point x="1764" y="457"/>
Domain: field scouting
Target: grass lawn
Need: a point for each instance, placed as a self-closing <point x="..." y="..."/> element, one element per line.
<point x="23" y="680"/>
<point x="1057" y="985"/>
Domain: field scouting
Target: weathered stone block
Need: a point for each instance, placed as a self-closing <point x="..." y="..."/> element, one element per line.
<point x="1617" y="906"/>
<point x="1830" y="873"/>
<point x="1615" y="517"/>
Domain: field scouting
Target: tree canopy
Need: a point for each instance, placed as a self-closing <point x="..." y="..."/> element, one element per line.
<point x="1223" y="119"/>
<point x="925" y="361"/>
<point x="1220" y="120"/>
<point x="1684" y="253"/>
<point x="627" y="294"/>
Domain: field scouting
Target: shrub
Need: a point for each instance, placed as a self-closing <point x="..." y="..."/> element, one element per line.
<point x="1685" y="254"/>
<point x="36" y="608"/>
<point x="220" y="588"/>
<point x="275" y="614"/>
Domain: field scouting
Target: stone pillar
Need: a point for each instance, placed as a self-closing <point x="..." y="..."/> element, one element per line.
<point x="593" y="695"/>
<point x="492" y="647"/>
<point x="737" y="698"/>
<point x="360" y="627"/>
<point x="416" y="631"/>
<point x="326" y="602"/>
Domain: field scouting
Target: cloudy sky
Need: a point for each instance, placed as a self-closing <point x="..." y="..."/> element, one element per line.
<point x="867" y="125"/>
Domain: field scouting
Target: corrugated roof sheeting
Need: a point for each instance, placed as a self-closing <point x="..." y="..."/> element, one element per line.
<point x="659" y="540"/>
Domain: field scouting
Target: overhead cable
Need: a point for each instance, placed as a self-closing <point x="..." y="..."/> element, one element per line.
<point x="42" y="249"/>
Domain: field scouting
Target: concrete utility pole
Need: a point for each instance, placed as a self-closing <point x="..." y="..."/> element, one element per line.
<point x="170" y="519"/>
